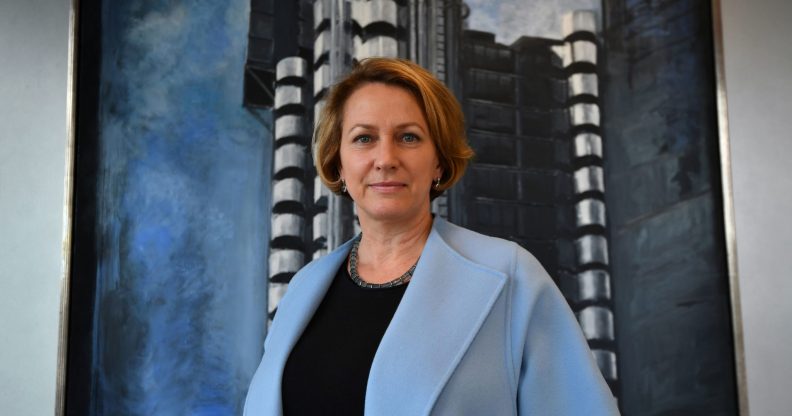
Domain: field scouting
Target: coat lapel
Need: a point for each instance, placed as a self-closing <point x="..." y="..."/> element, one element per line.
<point x="293" y="315"/>
<point x="447" y="301"/>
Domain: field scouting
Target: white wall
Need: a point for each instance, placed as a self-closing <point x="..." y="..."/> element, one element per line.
<point x="33" y="58"/>
<point x="758" y="65"/>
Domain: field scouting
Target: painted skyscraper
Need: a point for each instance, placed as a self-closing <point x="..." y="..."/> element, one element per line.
<point x="532" y="111"/>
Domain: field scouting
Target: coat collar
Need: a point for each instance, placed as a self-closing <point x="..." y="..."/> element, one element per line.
<point x="443" y="308"/>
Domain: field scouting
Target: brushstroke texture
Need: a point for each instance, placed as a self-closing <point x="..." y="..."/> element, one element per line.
<point x="668" y="263"/>
<point x="183" y="211"/>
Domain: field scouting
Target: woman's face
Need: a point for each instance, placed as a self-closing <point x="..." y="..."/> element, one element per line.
<point x="388" y="159"/>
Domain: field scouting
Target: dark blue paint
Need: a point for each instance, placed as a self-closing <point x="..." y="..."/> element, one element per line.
<point x="183" y="203"/>
<point x="668" y="266"/>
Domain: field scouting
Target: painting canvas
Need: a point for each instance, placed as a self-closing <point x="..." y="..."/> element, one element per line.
<point x="596" y="136"/>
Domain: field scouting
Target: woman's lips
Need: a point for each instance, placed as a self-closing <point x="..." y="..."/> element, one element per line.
<point x="387" y="186"/>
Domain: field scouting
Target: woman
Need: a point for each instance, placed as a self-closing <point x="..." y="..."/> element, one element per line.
<point x="416" y="316"/>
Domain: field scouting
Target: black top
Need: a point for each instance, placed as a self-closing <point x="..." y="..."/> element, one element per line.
<point x="328" y="368"/>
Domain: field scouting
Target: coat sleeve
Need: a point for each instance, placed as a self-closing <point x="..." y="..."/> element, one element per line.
<point x="557" y="372"/>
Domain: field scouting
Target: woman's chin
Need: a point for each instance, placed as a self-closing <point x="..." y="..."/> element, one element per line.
<point x="391" y="213"/>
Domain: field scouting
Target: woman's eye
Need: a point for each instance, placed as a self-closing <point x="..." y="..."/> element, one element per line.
<point x="410" y="138"/>
<point x="363" y="139"/>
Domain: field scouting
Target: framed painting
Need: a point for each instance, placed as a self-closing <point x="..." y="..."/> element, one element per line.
<point x="601" y="147"/>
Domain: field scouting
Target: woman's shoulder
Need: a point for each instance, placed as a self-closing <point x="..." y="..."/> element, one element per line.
<point x="499" y="254"/>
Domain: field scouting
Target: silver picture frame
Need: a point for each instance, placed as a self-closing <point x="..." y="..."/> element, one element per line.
<point x="725" y="180"/>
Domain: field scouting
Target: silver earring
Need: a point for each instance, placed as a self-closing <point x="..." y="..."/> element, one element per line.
<point x="437" y="183"/>
<point x="343" y="186"/>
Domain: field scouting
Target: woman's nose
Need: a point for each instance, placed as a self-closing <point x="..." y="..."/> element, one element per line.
<point x="387" y="157"/>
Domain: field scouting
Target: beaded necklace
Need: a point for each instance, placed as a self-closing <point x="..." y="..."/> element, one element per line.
<point x="353" y="273"/>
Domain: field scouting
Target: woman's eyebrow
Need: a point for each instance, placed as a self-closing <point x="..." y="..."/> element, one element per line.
<point x="373" y="127"/>
<point x="362" y="126"/>
<point x="410" y="124"/>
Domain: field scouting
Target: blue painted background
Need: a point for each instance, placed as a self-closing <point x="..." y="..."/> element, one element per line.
<point x="183" y="211"/>
<point x="668" y="259"/>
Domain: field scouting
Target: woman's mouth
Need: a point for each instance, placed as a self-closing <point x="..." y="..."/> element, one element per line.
<point x="388" y="186"/>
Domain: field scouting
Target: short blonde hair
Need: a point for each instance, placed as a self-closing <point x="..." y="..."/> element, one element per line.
<point x="441" y="110"/>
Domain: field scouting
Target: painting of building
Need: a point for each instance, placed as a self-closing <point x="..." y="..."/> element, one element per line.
<point x="594" y="150"/>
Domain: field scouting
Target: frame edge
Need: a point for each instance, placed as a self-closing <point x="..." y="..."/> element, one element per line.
<point x="729" y="223"/>
<point x="68" y="209"/>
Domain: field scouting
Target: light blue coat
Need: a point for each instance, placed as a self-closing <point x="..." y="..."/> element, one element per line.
<point x="481" y="330"/>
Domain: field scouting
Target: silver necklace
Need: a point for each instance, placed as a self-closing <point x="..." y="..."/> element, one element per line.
<point x="403" y="279"/>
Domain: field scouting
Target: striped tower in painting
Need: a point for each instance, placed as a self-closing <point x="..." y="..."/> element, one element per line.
<point x="278" y="77"/>
<point x="377" y="29"/>
<point x="333" y="216"/>
<point x="592" y="300"/>
<point x="291" y="167"/>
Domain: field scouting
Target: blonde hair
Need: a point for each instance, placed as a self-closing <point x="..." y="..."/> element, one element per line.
<point x="441" y="110"/>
